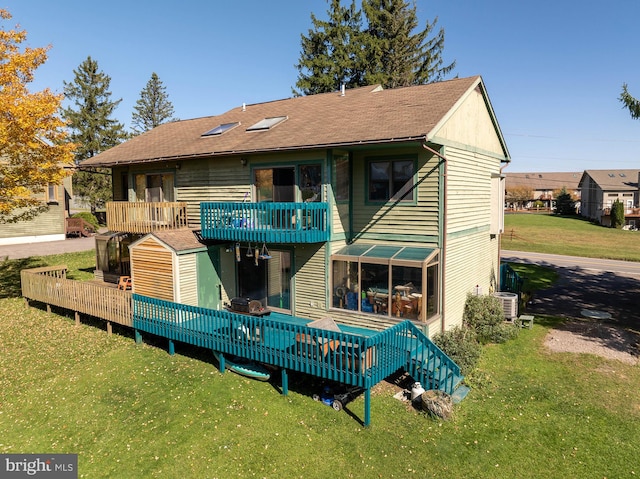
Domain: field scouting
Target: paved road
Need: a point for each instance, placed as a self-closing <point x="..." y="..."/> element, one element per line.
<point x="70" y="245"/>
<point x="586" y="283"/>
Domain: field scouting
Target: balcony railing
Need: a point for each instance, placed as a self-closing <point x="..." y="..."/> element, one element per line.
<point x="265" y="222"/>
<point x="142" y="218"/>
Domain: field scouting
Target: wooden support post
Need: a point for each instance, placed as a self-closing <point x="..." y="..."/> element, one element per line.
<point x="26" y="303"/>
<point x="221" y="362"/>
<point x="172" y="348"/>
<point x="285" y="382"/>
<point x="77" y="316"/>
<point x="138" y="336"/>
<point x="367" y="406"/>
<point x="49" y="308"/>
<point x="109" y="328"/>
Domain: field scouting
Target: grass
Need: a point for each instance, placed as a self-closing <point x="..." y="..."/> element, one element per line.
<point x="568" y="236"/>
<point x="133" y="411"/>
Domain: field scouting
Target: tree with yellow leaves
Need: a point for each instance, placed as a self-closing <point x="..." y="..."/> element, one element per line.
<point x="33" y="151"/>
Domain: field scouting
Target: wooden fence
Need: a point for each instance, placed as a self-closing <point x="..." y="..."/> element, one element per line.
<point x="50" y="285"/>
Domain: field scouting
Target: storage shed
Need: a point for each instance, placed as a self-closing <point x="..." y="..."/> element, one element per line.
<point x="169" y="264"/>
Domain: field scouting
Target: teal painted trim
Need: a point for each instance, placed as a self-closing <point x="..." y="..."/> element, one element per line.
<point x="172" y="348"/>
<point x="409" y="239"/>
<point x="350" y="225"/>
<point x="469" y="231"/>
<point x="469" y="148"/>
<point x="391" y="201"/>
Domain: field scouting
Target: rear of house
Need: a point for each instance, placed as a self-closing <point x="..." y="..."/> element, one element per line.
<point x="601" y="188"/>
<point x="372" y="206"/>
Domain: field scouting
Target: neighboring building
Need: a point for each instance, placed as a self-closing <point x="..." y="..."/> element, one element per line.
<point x="542" y="187"/>
<point x="600" y="188"/>
<point x="47" y="226"/>
<point x="371" y="206"/>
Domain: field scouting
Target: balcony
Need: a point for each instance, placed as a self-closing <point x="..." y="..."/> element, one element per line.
<point x="265" y="222"/>
<point x="142" y="218"/>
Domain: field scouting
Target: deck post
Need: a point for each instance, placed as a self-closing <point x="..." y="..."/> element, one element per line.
<point x="77" y="316"/>
<point x="367" y="406"/>
<point x="48" y="308"/>
<point x="172" y="348"/>
<point x="26" y="303"/>
<point x="221" y="365"/>
<point x="138" y="336"/>
<point x="109" y="328"/>
<point x="285" y="382"/>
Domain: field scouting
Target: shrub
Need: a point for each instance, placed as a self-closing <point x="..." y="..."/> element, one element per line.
<point x="482" y="314"/>
<point x="461" y="346"/>
<point x="617" y="214"/>
<point x="88" y="217"/>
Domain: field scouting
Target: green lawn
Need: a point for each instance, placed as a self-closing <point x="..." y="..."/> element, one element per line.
<point x="133" y="411"/>
<point x="568" y="236"/>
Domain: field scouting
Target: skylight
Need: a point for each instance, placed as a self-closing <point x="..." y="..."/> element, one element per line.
<point x="220" y="129"/>
<point x="267" y="123"/>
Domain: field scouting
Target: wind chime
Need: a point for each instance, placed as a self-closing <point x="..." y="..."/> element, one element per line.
<point x="255" y="253"/>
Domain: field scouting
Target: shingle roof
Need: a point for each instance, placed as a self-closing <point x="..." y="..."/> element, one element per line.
<point x="183" y="239"/>
<point x="542" y="181"/>
<point x="619" y="180"/>
<point x="364" y="115"/>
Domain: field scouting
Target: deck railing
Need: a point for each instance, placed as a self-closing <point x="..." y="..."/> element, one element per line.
<point x="50" y="286"/>
<point x="143" y="217"/>
<point x="265" y="222"/>
<point x="510" y="280"/>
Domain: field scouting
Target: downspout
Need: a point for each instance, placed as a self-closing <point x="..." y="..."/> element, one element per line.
<point x="443" y="240"/>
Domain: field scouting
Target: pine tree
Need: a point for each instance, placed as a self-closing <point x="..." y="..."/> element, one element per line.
<point x="93" y="129"/>
<point x="630" y="103"/>
<point x="395" y="55"/>
<point x="153" y="107"/>
<point x="565" y="203"/>
<point x="33" y="151"/>
<point x="617" y="214"/>
<point x="331" y="53"/>
<point x="340" y="51"/>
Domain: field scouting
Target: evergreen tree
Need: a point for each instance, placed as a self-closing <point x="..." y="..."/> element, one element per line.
<point x="93" y="129"/>
<point x="617" y="214"/>
<point x="331" y="53"/>
<point x="630" y="103"/>
<point x="395" y="55"/>
<point x="153" y="107"/>
<point x="340" y="51"/>
<point x="565" y="204"/>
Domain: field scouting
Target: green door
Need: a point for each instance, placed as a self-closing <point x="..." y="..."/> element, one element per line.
<point x="209" y="287"/>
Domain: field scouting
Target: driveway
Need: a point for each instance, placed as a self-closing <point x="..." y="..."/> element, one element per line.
<point x="586" y="283"/>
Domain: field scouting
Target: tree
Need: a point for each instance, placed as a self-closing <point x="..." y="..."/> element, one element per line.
<point x="93" y="129"/>
<point x="519" y="195"/>
<point x="331" y="53"/>
<point x="565" y="202"/>
<point x="386" y="51"/>
<point x="396" y="56"/>
<point x="153" y="107"/>
<point x="31" y="131"/>
<point x="617" y="214"/>
<point x="630" y="103"/>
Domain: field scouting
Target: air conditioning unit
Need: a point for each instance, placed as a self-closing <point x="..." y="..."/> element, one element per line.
<point x="509" y="304"/>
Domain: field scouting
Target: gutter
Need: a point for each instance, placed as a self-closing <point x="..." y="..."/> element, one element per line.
<point x="443" y="241"/>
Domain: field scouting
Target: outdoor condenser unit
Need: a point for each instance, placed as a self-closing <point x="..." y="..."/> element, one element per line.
<point x="509" y="304"/>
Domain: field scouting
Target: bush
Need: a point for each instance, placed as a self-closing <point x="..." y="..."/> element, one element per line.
<point x="617" y="214"/>
<point x="461" y="346"/>
<point x="88" y="217"/>
<point x="482" y="314"/>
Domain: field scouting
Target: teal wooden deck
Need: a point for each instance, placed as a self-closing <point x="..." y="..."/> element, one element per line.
<point x="353" y="356"/>
<point x="265" y="222"/>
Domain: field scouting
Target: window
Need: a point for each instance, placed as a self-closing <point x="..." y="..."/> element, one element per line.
<point x="267" y="123"/>
<point x="394" y="281"/>
<point x="341" y="178"/>
<point x="154" y="188"/>
<point x="391" y="180"/>
<point x="52" y="193"/>
<point x="310" y="183"/>
<point x="220" y="129"/>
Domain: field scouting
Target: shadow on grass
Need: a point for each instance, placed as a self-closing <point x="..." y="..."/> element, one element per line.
<point x="10" y="286"/>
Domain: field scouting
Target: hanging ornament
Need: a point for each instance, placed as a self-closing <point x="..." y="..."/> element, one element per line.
<point x="237" y="251"/>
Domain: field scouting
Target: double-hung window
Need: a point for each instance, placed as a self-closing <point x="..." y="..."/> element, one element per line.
<point x="391" y="179"/>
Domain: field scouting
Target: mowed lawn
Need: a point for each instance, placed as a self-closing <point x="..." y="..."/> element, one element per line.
<point x="133" y="411"/>
<point x="543" y="233"/>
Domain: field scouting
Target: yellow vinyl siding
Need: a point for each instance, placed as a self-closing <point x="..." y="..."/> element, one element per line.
<point x="187" y="279"/>
<point x="310" y="281"/>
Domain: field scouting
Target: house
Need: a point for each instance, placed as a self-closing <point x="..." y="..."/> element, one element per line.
<point x="47" y="226"/>
<point x="601" y="188"/>
<point x="539" y="187"/>
<point x="370" y="206"/>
